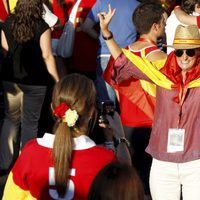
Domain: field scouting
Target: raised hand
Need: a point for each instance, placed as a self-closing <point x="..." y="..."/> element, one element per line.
<point x="105" y="18"/>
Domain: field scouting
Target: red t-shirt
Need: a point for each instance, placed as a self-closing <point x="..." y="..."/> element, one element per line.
<point x="62" y="13"/>
<point x="85" y="47"/>
<point x="33" y="172"/>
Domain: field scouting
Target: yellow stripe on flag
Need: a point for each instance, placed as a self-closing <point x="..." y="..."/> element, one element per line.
<point x="150" y="70"/>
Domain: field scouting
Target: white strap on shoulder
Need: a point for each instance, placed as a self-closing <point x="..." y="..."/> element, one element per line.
<point x="72" y="15"/>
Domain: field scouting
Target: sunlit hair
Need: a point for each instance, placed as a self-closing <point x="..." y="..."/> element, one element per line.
<point x="117" y="181"/>
<point x="145" y="12"/>
<point x="27" y="15"/>
<point x="79" y="93"/>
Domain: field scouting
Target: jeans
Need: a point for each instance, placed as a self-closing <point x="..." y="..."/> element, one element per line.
<point x="168" y="179"/>
<point x="104" y="90"/>
<point x="23" y="104"/>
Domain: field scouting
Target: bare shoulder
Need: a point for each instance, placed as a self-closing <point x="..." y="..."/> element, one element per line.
<point x="157" y="55"/>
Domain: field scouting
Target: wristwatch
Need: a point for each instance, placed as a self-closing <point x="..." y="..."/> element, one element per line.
<point x="121" y="140"/>
<point x="109" y="37"/>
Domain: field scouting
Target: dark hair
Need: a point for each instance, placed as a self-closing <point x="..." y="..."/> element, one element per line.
<point x="27" y="14"/>
<point x="79" y="93"/>
<point x="148" y="13"/>
<point x="117" y="181"/>
<point x="189" y="5"/>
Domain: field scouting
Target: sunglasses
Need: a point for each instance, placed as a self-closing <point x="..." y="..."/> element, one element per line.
<point x="189" y="52"/>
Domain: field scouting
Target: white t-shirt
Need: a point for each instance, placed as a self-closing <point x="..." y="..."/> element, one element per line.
<point x="49" y="17"/>
<point x="172" y="23"/>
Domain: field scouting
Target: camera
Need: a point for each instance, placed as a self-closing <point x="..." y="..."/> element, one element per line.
<point x="107" y="108"/>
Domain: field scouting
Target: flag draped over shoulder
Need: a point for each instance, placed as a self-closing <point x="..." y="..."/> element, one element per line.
<point x="152" y="71"/>
<point x="139" y="92"/>
<point x="169" y="75"/>
<point x="164" y="74"/>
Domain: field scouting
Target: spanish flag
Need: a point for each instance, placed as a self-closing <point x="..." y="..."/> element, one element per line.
<point x="163" y="73"/>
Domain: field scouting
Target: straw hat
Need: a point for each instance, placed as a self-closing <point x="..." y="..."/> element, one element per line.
<point x="186" y="37"/>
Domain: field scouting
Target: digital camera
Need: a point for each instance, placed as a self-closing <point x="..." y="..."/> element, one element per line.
<point x="107" y="108"/>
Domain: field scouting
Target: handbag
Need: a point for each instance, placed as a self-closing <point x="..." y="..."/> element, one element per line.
<point x="65" y="44"/>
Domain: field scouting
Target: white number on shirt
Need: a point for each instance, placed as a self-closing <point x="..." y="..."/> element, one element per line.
<point x="53" y="193"/>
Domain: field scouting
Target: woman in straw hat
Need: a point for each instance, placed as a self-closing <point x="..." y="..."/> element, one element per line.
<point x="174" y="143"/>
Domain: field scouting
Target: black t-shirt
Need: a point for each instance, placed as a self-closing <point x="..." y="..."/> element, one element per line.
<point x="24" y="62"/>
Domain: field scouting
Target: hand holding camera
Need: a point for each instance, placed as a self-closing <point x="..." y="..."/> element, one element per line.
<point x="109" y="118"/>
<point x="107" y="108"/>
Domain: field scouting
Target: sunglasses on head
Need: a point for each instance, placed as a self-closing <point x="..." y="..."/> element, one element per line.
<point x="189" y="52"/>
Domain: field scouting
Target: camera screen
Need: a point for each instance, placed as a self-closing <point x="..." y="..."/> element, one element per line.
<point x="107" y="108"/>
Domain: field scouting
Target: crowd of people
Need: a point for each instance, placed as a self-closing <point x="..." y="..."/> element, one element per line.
<point x="143" y="56"/>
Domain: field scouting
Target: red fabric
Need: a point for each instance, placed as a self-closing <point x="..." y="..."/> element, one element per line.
<point x="147" y="51"/>
<point x="131" y="115"/>
<point x="172" y="4"/>
<point x="62" y="13"/>
<point x="31" y="170"/>
<point x="174" y="73"/>
<point x="3" y="12"/>
<point x="85" y="47"/>
<point x="60" y="110"/>
<point x="136" y="105"/>
<point x="198" y="21"/>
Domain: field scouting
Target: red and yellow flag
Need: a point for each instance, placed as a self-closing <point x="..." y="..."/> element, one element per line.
<point x="164" y="73"/>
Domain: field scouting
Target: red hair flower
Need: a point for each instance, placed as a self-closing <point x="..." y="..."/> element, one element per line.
<point x="66" y="114"/>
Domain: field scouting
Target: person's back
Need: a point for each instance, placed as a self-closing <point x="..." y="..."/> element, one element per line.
<point x="69" y="156"/>
<point x="122" y="27"/>
<point x="80" y="62"/>
<point x="123" y="30"/>
<point x="28" y="67"/>
<point x="150" y="28"/>
<point x="35" y="180"/>
<point x="25" y="68"/>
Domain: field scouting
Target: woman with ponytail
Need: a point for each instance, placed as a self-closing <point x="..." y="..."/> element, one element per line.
<point x="64" y="164"/>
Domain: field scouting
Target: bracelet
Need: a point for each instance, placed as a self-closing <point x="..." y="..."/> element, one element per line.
<point x="121" y="140"/>
<point x="109" y="37"/>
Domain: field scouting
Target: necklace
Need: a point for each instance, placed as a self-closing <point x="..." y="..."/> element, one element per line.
<point x="146" y="40"/>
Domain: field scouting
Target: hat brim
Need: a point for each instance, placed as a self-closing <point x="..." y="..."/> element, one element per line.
<point x="183" y="46"/>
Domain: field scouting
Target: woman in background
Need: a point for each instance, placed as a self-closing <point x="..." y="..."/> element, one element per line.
<point x="28" y="67"/>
